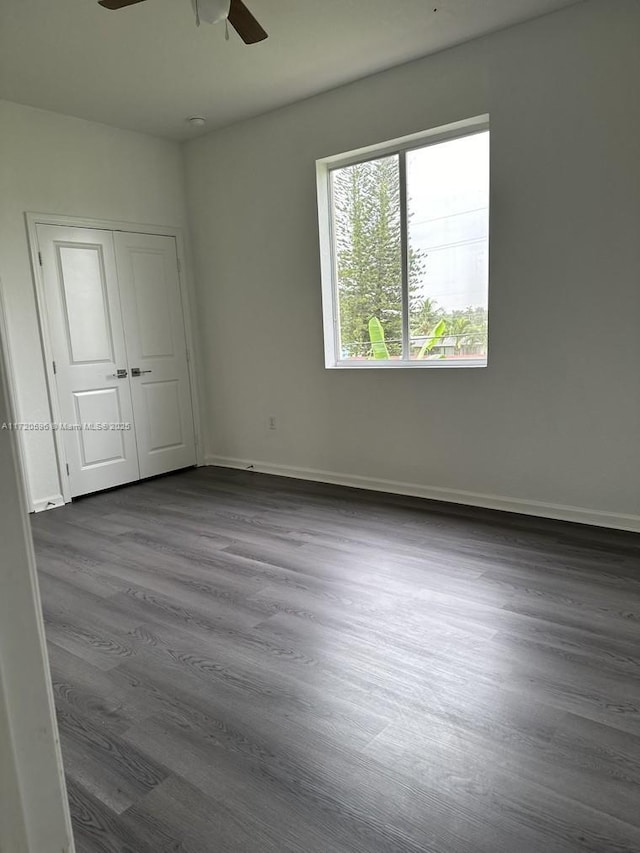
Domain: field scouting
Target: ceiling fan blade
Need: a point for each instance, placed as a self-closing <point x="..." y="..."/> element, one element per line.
<point x="245" y="24"/>
<point x="117" y="4"/>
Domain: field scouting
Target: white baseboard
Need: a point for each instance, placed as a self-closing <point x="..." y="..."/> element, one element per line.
<point x="48" y="503"/>
<point x="540" y="509"/>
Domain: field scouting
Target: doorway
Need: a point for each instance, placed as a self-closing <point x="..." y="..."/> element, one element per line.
<point x="113" y="320"/>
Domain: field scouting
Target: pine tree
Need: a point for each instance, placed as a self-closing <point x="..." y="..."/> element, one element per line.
<point x="369" y="254"/>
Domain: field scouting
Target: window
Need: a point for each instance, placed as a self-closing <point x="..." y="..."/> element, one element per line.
<point x="404" y="232"/>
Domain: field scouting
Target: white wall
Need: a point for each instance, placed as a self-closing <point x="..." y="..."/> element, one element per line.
<point x="56" y="164"/>
<point x="555" y="418"/>
<point x="33" y="809"/>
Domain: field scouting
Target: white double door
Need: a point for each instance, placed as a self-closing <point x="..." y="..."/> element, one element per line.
<point x="115" y="319"/>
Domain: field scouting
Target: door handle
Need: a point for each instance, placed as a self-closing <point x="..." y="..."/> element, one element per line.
<point x="135" y="371"/>
<point x="120" y="373"/>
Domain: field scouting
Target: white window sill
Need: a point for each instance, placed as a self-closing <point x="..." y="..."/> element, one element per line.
<point x="435" y="364"/>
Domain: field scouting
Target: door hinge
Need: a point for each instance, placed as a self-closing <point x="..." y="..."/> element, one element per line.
<point x="188" y="356"/>
<point x="67" y="469"/>
<point x="55" y="369"/>
<point x="179" y="266"/>
<point x="40" y="258"/>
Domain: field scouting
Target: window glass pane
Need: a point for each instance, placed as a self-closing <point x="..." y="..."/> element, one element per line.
<point x="368" y="259"/>
<point x="448" y="238"/>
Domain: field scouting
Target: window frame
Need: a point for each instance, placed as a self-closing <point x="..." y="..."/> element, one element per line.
<point x="328" y="259"/>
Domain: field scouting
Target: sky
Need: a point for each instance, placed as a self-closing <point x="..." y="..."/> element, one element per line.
<point x="448" y="192"/>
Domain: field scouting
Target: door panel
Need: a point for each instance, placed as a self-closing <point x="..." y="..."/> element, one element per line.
<point x="98" y="447"/>
<point x="162" y="402"/>
<point x="157" y="348"/>
<point x="154" y="301"/>
<point x="85" y="304"/>
<point x="87" y="337"/>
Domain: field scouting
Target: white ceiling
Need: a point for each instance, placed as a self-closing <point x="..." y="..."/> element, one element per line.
<point x="148" y="67"/>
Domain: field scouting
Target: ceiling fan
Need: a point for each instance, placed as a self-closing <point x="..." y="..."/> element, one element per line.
<point x="213" y="11"/>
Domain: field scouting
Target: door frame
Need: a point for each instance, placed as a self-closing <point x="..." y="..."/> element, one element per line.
<point x="34" y="817"/>
<point x="5" y="351"/>
<point x="185" y="279"/>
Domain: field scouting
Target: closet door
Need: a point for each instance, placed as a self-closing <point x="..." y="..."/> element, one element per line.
<point x="157" y="350"/>
<point x="87" y="337"/>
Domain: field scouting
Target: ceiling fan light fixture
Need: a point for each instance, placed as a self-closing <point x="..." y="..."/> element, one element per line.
<point x="211" y="11"/>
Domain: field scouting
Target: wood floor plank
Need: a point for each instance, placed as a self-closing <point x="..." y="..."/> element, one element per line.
<point x="249" y="664"/>
<point x="98" y="830"/>
<point x="103" y="762"/>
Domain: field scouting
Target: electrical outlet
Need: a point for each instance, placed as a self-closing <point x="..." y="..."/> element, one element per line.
<point x="272" y="422"/>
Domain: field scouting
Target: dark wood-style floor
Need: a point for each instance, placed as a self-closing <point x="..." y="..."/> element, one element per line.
<point x="248" y="664"/>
